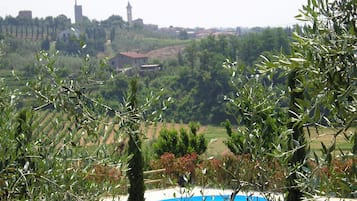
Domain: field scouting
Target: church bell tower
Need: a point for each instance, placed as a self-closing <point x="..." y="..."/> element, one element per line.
<point x="78" y="15"/>
<point x="129" y="14"/>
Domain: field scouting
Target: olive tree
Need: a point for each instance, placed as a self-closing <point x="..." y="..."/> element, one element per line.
<point x="64" y="161"/>
<point x="321" y="91"/>
<point x="321" y="73"/>
<point x="259" y="108"/>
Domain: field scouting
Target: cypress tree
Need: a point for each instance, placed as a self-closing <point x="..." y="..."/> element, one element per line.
<point x="136" y="162"/>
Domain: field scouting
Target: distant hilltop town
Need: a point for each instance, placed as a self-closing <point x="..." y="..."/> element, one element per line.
<point x="125" y="42"/>
<point x="196" y="32"/>
<point x="78" y="15"/>
<point x="182" y="32"/>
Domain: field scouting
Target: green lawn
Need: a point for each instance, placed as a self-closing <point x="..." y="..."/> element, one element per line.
<point x="216" y="136"/>
<point x="326" y="136"/>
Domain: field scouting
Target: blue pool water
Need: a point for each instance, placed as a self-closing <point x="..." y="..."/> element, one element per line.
<point x="218" y="198"/>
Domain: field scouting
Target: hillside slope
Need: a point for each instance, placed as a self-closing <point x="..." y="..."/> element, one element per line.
<point x="166" y="53"/>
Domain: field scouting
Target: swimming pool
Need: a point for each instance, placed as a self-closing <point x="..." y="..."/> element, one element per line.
<point x="218" y="198"/>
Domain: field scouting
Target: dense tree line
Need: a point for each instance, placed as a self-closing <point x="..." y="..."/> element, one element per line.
<point x="266" y="41"/>
<point x="34" y="29"/>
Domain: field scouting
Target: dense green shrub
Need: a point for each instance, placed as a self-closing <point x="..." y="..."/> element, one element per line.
<point x="180" y="143"/>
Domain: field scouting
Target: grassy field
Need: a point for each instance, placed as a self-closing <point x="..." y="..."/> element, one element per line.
<point x="326" y="136"/>
<point x="215" y="135"/>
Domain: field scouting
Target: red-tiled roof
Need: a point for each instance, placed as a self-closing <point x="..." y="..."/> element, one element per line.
<point x="133" y="55"/>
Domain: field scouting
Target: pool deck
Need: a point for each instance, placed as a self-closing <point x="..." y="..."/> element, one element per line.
<point x="177" y="192"/>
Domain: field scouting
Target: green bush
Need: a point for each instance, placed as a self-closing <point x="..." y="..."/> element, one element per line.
<point x="180" y="143"/>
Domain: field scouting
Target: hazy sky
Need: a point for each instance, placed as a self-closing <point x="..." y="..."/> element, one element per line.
<point x="186" y="13"/>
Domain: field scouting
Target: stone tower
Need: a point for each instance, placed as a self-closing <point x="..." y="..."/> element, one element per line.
<point x="129" y="14"/>
<point x="77" y="12"/>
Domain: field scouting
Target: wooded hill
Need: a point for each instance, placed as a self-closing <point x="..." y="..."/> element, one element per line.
<point x="192" y="70"/>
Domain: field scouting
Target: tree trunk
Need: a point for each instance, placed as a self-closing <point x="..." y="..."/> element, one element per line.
<point x="297" y="138"/>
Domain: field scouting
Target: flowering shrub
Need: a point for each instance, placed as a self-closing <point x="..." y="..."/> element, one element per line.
<point x="176" y="167"/>
<point x="244" y="171"/>
<point x="186" y="164"/>
<point x="167" y="161"/>
<point x="252" y="174"/>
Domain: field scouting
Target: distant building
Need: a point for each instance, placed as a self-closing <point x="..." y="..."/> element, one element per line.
<point x="128" y="60"/>
<point x="151" y="27"/>
<point x="25" y="14"/>
<point x="129" y="14"/>
<point x="78" y="15"/>
<point x="138" y="22"/>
